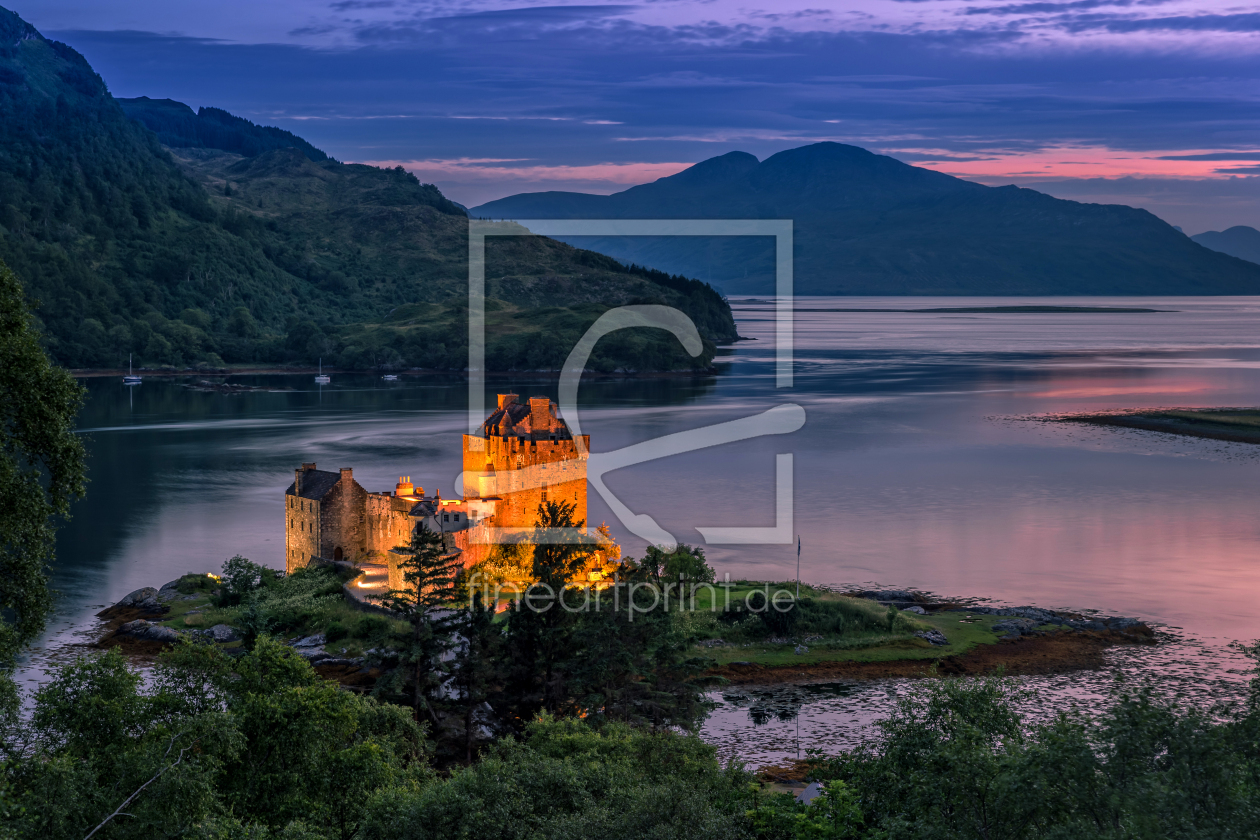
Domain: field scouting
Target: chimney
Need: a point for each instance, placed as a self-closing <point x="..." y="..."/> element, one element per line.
<point x="347" y="474"/>
<point x="506" y="399"/>
<point x="404" y="486"/>
<point x="540" y="414"/>
<point x="297" y="482"/>
<point x="309" y="466"/>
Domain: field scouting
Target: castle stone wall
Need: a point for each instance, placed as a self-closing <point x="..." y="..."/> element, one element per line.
<point x="525" y="474"/>
<point x="302" y="532"/>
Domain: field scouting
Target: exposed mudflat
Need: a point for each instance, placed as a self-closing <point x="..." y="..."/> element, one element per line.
<point x="1050" y="653"/>
<point x="1240" y="425"/>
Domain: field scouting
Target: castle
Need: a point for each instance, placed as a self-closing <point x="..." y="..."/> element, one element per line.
<point x="521" y="456"/>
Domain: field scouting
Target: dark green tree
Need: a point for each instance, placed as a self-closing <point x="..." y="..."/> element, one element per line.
<point x="540" y="629"/>
<point x="636" y="668"/>
<point x="684" y="564"/>
<point x="477" y="664"/>
<point x="210" y="747"/>
<point x="41" y="468"/>
<point x="428" y="600"/>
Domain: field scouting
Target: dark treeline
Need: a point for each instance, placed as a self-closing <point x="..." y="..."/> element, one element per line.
<point x="176" y="125"/>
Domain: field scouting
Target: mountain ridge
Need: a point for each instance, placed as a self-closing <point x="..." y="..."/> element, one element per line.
<point x="178" y="126"/>
<point x="867" y="224"/>
<point x="1241" y="241"/>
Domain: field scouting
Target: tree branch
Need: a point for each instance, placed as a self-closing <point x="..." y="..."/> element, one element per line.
<point x="119" y="810"/>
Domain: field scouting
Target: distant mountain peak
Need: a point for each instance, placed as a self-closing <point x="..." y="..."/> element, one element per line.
<point x="720" y="169"/>
<point x="869" y="224"/>
<point x="1239" y="241"/>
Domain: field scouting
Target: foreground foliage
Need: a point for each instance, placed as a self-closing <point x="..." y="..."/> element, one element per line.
<point x="41" y="468"/>
<point x="956" y="760"/>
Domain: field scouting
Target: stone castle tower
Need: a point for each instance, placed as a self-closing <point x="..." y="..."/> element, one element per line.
<point x="524" y="455"/>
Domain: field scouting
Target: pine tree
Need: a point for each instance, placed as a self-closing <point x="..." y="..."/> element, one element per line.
<point x="540" y="630"/>
<point x="427" y="600"/>
<point x="477" y="662"/>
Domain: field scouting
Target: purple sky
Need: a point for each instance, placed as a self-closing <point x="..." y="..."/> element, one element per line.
<point x="1146" y="102"/>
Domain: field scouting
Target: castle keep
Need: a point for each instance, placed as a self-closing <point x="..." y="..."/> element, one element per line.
<point x="521" y="456"/>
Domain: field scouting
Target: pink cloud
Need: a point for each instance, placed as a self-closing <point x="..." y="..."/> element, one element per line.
<point x="1072" y="162"/>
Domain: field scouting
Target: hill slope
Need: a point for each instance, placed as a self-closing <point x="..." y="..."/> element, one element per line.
<point x="869" y="224"/>
<point x="177" y="126"/>
<point x="1239" y="241"/>
<point x="130" y="250"/>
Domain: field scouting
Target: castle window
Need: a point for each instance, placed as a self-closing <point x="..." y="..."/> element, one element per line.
<point x="446" y="517"/>
<point x="457" y="517"/>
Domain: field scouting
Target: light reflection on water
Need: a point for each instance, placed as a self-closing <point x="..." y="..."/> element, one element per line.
<point x="910" y="471"/>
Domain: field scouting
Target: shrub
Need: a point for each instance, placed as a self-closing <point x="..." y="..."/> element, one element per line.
<point x="371" y="626"/>
<point x="241" y="577"/>
<point x="336" y="631"/>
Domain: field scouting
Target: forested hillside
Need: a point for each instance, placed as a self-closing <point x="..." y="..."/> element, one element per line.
<point x="178" y="126"/>
<point x="218" y="258"/>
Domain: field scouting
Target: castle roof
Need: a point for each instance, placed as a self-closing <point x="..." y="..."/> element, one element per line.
<point x="515" y="419"/>
<point x="316" y="484"/>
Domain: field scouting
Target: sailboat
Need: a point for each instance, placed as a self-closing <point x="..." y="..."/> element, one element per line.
<point x="321" y="379"/>
<point x="130" y="378"/>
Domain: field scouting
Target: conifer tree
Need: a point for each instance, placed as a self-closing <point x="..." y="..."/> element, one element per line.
<point x="540" y="630"/>
<point x="477" y="662"/>
<point x="428" y="601"/>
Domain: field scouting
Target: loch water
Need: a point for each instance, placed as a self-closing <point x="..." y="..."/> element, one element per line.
<point x="921" y="464"/>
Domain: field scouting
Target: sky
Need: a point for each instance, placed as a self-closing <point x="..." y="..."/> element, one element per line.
<point x="1152" y="103"/>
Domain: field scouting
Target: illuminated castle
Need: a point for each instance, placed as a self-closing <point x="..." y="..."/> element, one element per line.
<point x="521" y="456"/>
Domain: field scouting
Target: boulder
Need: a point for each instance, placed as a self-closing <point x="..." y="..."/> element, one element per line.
<point x="141" y="629"/>
<point x="145" y="593"/>
<point x="933" y="637"/>
<point x="169" y="591"/>
<point x="1016" y="626"/>
<point x="313" y="654"/>
<point x="317" y="640"/>
<point x="142" y="602"/>
<point x="222" y="633"/>
<point x="801" y="649"/>
<point x="337" y="661"/>
<point x="915" y="610"/>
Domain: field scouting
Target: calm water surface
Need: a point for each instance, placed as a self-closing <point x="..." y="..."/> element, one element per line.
<point x="914" y="469"/>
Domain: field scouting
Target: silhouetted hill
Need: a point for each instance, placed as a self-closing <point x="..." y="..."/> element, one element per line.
<point x="868" y="224"/>
<point x="1239" y="241"/>
<point x="177" y="126"/>
<point x="211" y="256"/>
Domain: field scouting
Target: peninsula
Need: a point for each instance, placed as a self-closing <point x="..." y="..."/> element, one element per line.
<point x="1241" y="425"/>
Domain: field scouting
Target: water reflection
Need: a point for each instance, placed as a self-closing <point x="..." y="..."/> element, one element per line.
<point x="912" y="470"/>
<point x="784" y="702"/>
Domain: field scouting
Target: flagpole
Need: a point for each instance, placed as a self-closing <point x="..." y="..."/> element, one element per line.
<point x="798" y="567"/>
